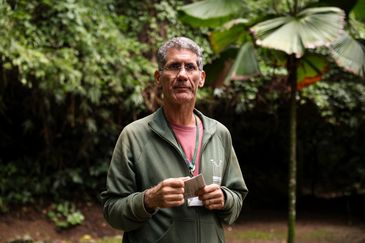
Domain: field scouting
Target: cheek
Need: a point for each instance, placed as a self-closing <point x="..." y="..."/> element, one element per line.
<point x="197" y="82"/>
<point x="165" y="82"/>
<point x="167" y="87"/>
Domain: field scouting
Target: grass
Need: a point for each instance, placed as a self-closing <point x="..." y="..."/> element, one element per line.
<point x="314" y="235"/>
<point x="256" y="235"/>
<point x="110" y="239"/>
<point x="280" y="235"/>
<point x="319" y="234"/>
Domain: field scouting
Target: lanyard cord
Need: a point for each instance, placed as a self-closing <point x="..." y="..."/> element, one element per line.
<point x="190" y="164"/>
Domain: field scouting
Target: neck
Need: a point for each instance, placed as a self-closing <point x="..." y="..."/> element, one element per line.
<point x="179" y="115"/>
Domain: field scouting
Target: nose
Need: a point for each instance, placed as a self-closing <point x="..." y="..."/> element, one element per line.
<point x="182" y="72"/>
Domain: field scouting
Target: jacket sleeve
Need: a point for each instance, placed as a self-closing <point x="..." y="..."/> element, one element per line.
<point x="123" y="204"/>
<point x="233" y="187"/>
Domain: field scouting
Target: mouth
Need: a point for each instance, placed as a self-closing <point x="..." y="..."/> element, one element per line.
<point x="181" y="88"/>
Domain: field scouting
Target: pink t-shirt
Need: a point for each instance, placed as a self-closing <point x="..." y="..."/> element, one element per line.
<point x="185" y="136"/>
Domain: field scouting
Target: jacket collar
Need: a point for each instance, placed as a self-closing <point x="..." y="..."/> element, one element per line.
<point x="159" y="125"/>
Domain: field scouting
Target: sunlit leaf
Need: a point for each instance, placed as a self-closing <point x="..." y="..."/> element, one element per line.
<point x="358" y="29"/>
<point x="245" y="65"/>
<point x="220" y="66"/>
<point x="311" y="69"/>
<point x="349" y="54"/>
<point x="210" y="13"/>
<point x="359" y="10"/>
<point x="311" y="28"/>
<point x="231" y="33"/>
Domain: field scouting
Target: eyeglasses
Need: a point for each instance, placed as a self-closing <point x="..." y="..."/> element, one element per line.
<point x="176" y="68"/>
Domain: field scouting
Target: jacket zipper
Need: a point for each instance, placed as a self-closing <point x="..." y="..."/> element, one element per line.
<point x="200" y="170"/>
<point x="198" y="226"/>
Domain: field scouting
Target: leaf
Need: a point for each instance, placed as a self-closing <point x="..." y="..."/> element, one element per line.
<point x="91" y="125"/>
<point x="218" y="69"/>
<point x="358" y="10"/>
<point x="209" y="13"/>
<point x="232" y="32"/>
<point x="311" y="69"/>
<point x="349" y="54"/>
<point x="245" y="65"/>
<point x="311" y="28"/>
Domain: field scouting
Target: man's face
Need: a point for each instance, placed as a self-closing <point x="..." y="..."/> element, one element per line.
<point x="180" y="77"/>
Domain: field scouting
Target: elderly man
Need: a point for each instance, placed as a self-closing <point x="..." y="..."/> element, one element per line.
<point x="155" y="156"/>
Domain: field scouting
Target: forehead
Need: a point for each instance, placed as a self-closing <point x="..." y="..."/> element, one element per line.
<point x="180" y="55"/>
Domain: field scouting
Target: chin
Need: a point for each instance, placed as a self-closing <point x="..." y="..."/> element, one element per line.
<point x="184" y="100"/>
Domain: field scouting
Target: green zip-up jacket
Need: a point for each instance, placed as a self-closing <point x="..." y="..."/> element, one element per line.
<point x="147" y="153"/>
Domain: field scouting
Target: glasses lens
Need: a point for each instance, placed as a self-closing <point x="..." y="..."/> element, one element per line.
<point x="177" y="67"/>
<point x="190" y="67"/>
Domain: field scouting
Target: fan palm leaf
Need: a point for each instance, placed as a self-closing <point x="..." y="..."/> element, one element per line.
<point x="233" y="32"/>
<point x="310" y="28"/>
<point x="245" y="64"/>
<point x="310" y="70"/>
<point x="349" y="54"/>
<point x="210" y="13"/>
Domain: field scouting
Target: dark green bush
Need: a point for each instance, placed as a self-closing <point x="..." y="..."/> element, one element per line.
<point x="73" y="73"/>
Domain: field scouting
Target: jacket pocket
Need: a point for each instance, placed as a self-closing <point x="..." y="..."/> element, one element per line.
<point x="180" y="230"/>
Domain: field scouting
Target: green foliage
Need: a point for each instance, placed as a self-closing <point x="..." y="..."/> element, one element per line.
<point x="69" y="77"/>
<point x="66" y="66"/>
<point x="13" y="190"/>
<point x="65" y="215"/>
<point x="330" y="133"/>
<point x="153" y="22"/>
<point x="210" y="13"/>
<point x="337" y="141"/>
<point x="72" y="74"/>
<point x="338" y="98"/>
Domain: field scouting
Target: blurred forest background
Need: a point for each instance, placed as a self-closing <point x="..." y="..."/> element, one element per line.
<point x="74" y="73"/>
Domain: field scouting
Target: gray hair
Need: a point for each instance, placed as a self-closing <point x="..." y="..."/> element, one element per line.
<point x="179" y="43"/>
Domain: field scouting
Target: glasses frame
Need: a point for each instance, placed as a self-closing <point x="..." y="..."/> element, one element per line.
<point x="176" y="67"/>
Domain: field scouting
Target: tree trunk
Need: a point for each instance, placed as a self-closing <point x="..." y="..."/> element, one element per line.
<point x="292" y="81"/>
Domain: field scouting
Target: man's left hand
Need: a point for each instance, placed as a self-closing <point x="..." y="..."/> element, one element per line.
<point x="212" y="197"/>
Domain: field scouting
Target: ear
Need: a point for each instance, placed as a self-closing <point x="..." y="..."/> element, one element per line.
<point x="202" y="79"/>
<point x="157" y="78"/>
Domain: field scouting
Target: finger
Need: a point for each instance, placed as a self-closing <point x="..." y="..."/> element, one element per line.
<point x="210" y="193"/>
<point x="174" y="204"/>
<point x="211" y="188"/>
<point x="214" y="204"/>
<point x="173" y="182"/>
<point x="208" y="203"/>
<point x="204" y="190"/>
<point x="184" y="178"/>
<point x="173" y="201"/>
<point x="171" y="196"/>
<point x="208" y="189"/>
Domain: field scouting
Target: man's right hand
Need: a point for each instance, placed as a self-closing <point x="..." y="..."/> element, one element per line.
<point x="166" y="194"/>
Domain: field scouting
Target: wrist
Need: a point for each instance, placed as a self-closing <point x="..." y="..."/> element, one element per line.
<point x="147" y="201"/>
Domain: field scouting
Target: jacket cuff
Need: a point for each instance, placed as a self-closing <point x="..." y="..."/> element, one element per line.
<point x="228" y="202"/>
<point x="144" y="212"/>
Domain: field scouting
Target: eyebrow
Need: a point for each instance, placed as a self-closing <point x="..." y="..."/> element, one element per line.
<point x="177" y="62"/>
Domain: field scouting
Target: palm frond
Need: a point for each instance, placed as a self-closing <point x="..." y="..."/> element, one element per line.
<point x="310" y="28"/>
